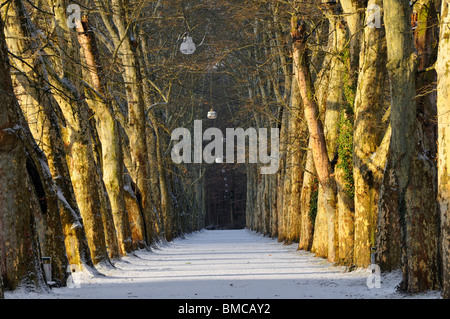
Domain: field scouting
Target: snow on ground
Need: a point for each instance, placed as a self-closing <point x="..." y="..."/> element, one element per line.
<point x="230" y="264"/>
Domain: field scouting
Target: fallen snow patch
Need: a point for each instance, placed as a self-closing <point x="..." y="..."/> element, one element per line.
<point x="227" y="264"/>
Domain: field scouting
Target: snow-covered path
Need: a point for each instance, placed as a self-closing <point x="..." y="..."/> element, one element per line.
<point x="227" y="264"/>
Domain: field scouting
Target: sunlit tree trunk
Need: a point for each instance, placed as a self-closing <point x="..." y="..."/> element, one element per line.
<point x="315" y="127"/>
<point x="32" y="90"/>
<point x="19" y="248"/>
<point x="112" y="159"/>
<point x="354" y="16"/>
<point x="310" y="189"/>
<point x="137" y="224"/>
<point x="296" y="154"/>
<point x="443" y="98"/>
<point x="136" y="126"/>
<point x="75" y="236"/>
<point x="368" y="132"/>
<point x="337" y="129"/>
<point x="306" y="199"/>
<point x="82" y="167"/>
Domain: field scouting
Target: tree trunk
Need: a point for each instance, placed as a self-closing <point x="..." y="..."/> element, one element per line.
<point x="402" y="67"/>
<point x="354" y="16"/>
<point x="165" y="199"/>
<point x="318" y="144"/>
<point x="134" y="209"/>
<point x="136" y="127"/>
<point x="282" y="198"/>
<point x="388" y="225"/>
<point x="112" y="159"/>
<point x="81" y="164"/>
<point x="151" y="137"/>
<point x="251" y="197"/>
<point x="307" y="193"/>
<point x="368" y="131"/>
<point x="416" y="203"/>
<point x="36" y="100"/>
<point x="74" y="232"/>
<point x="337" y="130"/>
<point x="19" y="248"/>
<point x="295" y="154"/>
<point x="443" y="107"/>
<point x="345" y="185"/>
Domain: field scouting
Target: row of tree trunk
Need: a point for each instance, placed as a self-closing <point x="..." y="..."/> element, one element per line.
<point x="364" y="164"/>
<point x="82" y="172"/>
<point x="359" y="91"/>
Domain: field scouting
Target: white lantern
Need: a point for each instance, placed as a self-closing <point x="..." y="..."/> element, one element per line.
<point x="187" y="46"/>
<point x="212" y="114"/>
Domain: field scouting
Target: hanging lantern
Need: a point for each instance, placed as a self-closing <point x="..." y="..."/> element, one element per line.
<point x="187" y="46"/>
<point x="212" y="114"/>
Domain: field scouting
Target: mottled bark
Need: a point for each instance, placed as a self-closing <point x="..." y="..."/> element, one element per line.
<point x="74" y="232"/>
<point x="416" y="202"/>
<point x="354" y="16"/>
<point x="315" y="127"/>
<point x="136" y="126"/>
<point x="335" y="91"/>
<point x="80" y="161"/>
<point x="107" y="127"/>
<point x="443" y="108"/>
<point x="134" y="209"/>
<point x="310" y="193"/>
<point x="422" y="268"/>
<point x="306" y="228"/>
<point x="296" y="153"/>
<point x="402" y="67"/>
<point x="84" y="176"/>
<point x="368" y="132"/>
<point x="35" y="98"/>
<point x="345" y="186"/>
<point x="339" y="88"/>
<point x="388" y="224"/>
<point x="20" y="264"/>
